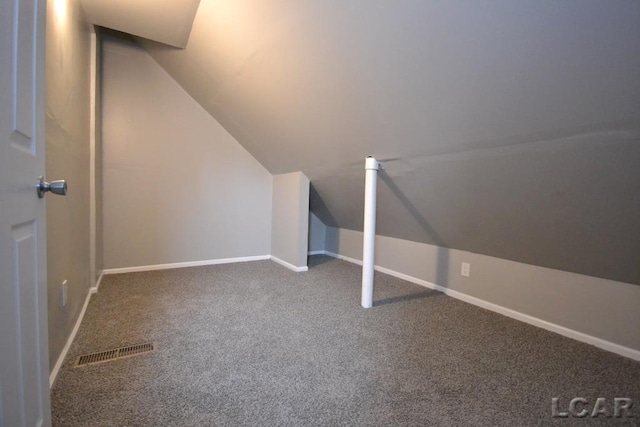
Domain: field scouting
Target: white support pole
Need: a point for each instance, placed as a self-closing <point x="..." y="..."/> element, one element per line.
<point x="369" y="240"/>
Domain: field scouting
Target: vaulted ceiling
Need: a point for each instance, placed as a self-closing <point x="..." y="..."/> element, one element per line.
<point x="506" y="128"/>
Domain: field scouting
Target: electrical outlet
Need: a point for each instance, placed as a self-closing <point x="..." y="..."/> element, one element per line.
<point x="466" y="269"/>
<point x="64" y="293"/>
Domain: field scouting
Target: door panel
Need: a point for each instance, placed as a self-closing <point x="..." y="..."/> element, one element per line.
<point x="27" y="317"/>
<point x="24" y="368"/>
<point x="23" y="69"/>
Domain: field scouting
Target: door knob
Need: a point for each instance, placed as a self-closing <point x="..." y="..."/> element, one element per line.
<point x="56" y="187"/>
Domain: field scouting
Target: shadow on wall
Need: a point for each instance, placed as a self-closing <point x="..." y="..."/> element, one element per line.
<point x="442" y="273"/>
<point x="320" y="209"/>
<point x="332" y="240"/>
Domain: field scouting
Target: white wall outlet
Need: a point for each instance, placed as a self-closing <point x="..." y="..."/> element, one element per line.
<point x="64" y="293"/>
<point x="466" y="269"/>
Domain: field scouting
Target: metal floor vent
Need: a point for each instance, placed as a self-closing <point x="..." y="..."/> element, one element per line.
<point x="114" y="354"/>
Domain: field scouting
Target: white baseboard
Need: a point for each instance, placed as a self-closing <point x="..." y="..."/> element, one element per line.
<point x="184" y="264"/>
<point x="94" y="290"/>
<point x="72" y="336"/>
<point x="316" y="253"/>
<point x="345" y="258"/>
<point x="289" y="266"/>
<point x="74" y="331"/>
<point x="570" y="333"/>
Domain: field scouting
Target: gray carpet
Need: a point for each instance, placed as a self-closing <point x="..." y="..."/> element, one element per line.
<point x="256" y="344"/>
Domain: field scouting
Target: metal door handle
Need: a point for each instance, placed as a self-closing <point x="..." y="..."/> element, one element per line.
<point x="56" y="187"/>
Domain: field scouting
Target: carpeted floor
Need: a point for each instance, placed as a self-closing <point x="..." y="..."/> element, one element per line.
<point x="256" y="344"/>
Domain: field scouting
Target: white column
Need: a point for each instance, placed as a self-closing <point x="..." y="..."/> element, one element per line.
<point x="369" y="240"/>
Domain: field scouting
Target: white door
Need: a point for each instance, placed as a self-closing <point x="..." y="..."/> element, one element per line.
<point x="24" y="366"/>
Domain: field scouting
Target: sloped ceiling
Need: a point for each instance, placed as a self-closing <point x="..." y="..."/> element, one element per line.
<point x="165" y="21"/>
<point x="506" y="128"/>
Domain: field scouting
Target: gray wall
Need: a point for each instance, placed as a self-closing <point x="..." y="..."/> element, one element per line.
<point x="571" y="204"/>
<point x="177" y="187"/>
<point x="317" y="233"/>
<point x="290" y="222"/>
<point x="67" y="134"/>
<point x="600" y="308"/>
<point x="508" y="128"/>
